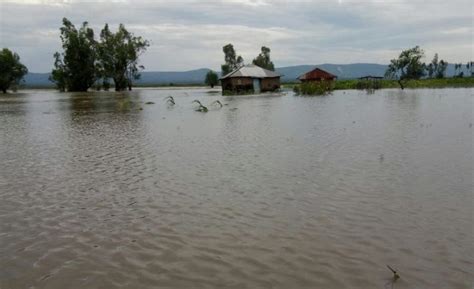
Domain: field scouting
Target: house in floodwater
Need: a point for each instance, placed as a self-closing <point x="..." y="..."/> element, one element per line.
<point x="317" y="75"/>
<point x="369" y="82"/>
<point x="250" y="78"/>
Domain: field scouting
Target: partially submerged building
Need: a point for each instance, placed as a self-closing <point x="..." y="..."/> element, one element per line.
<point x="369" y="82"/>
<point x="317" y="75"/>
<point x="250" y="78"/>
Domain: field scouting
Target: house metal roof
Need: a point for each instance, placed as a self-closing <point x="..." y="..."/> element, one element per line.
<point x="251" y="70"/>
<point x="316" y="73"/>
<point x="371" y="76"/>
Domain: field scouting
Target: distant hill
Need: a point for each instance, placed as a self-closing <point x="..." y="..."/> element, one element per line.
<point x="37" y="79"/>
<point x="290" y="73"/>
<point x="176" y="77"/>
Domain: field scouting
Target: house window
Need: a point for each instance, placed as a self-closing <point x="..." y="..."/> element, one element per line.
<point x="239" y="81"/>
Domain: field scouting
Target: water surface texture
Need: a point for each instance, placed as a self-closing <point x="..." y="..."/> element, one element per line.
<point x="102" y="190"/>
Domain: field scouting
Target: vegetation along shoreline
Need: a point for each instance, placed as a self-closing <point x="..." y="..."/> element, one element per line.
<point x="112" y="60"/>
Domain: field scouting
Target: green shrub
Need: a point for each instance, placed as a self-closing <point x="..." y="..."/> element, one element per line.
<point x="313" y="88"/>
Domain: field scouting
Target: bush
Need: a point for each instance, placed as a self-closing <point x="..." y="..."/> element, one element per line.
<point x="368" y="84"/>
<point x="313" y="88"/>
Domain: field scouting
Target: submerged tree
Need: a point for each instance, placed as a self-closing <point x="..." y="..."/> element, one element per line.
<point x="211" y="79"/>
<point x="11" y="70"/>
<point x="84" y="60"/>
<point x="75" y="68"/>
<point x="232" y="61"/>
<point x="407" y="66"/>
<point x="118" y="56"/>
<point x="263" y="59"/>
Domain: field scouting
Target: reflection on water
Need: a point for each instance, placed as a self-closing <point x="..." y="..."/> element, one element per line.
<point x="101" y="190"/>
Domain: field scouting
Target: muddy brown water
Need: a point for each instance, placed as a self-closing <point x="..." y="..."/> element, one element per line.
<point x="101" y="190"/>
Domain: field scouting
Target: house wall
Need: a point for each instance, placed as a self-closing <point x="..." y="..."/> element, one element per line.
<point x="242" y="84"/>
<point x="270" y="84"/>
<point x="237" y="84"/>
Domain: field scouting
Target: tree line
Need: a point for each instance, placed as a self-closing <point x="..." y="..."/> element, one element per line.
<point x="86" y="61"/>
<point x="409" y="65"/>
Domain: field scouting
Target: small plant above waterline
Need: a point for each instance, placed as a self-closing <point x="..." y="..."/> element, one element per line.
<point x="396" y="276"/>
<point x="201" y="107"/>
<point x="218" y="103"/>
<point x="313" y="88"/>
<point x="170" y="100"/>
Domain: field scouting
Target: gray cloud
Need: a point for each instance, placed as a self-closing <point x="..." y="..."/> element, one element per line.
<point x="190" y="34"/>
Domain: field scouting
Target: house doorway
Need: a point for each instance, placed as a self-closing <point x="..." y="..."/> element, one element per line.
<point x="256" y="85"/>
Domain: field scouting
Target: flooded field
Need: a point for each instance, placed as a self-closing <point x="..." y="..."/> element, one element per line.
<point x="102" y="190"/>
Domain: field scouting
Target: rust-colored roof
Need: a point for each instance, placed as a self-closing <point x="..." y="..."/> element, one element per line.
<point x="316" y="73"/>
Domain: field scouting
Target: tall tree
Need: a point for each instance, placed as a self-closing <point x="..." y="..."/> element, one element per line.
<point x="433" y="66"/>
<point x="441" y="69"/>
<point x="437" y="68"/>
<point x="232" y="61"/>
<point x="58" y="75"/>
<point x="118" y="56"/>
<point x="408" y="65"/>
<point x="11" y="70"/>
<point x="458" y="70"/>
<point x="211" y="78"/>
<point x="75" y="68"/>
<point x="263" y="59"/>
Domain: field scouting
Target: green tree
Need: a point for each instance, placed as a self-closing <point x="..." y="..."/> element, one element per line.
<point x="118" y="56"/>
<point x="211" y="78"/>
<point x="436" y="68"/>
<point x="441" y="69"/>
<point x="470" y="67"/>
<point x="433" y="66"/>
<point x="58" y="75"/>
<point x="232" y="61"/>
<point x="408" y="65"/>
<point x="11" y="70"/>
<point x="263" y="59"/>
<point x="75" y="68"/>
<point x="458" y="70"/>
<point x="430" y="70"/>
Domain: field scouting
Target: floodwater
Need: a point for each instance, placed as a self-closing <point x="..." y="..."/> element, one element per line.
<point x="101" y="190"/>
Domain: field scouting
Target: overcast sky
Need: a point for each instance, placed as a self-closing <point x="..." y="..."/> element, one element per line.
<point x="186" y="34"/>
